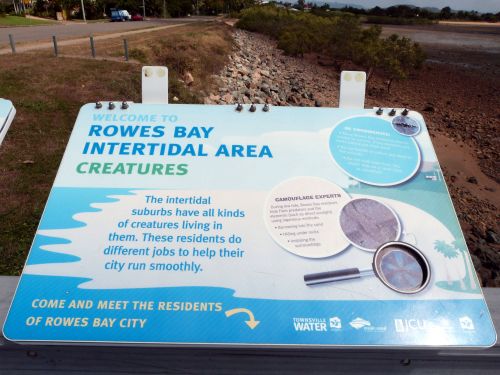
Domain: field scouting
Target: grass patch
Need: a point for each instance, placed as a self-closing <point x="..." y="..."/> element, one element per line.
<point x="48" y="100"/>
<point x="9" y="21"/>
<point x="200" y="49"/>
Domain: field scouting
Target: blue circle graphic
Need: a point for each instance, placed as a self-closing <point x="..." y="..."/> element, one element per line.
<point x="371" y="151"/>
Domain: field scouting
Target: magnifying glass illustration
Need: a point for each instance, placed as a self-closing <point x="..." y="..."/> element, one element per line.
<point x="400" y="266"/>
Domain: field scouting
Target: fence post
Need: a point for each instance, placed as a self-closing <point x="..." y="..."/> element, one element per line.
<point x="92" y="47"/>
<point x="125" y="47"/>
<point x="12" y="43"/>
<point x="54" y="40"/>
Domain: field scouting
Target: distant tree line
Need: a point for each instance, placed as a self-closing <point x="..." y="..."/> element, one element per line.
<point x="405" y="11"/>
<point x="402" y="12"/>
<point x="340" y="37"/>
<point x="95" y="9"/>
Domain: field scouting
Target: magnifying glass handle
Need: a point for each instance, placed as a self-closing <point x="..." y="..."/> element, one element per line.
<point x="332" y="276"/>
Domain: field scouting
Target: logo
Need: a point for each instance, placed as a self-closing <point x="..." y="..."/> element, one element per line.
<point x="466" y="323"/>
<point x="335" y="323"/>
<point x="309" y="324"/>
<point x="359" y="323"/>
<point x="406" y="325"/>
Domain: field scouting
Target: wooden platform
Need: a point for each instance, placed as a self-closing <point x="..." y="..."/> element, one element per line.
<point x="29" y="359"/>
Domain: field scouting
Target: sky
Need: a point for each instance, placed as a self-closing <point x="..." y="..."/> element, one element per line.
<point x="479" y="5"/>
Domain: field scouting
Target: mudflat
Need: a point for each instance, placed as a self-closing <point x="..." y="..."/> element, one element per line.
<point x="458" y="93"/>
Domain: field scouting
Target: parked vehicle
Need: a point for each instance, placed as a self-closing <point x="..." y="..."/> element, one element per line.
<point x="120" y="15"/>
<point x="137" y="17"/>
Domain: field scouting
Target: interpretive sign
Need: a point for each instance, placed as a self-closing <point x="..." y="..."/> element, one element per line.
<point x="7" y="113"/>
<point x="205" y="225"/>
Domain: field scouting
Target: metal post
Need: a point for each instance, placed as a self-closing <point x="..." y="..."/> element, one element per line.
<point x="125" y="47"/>
<point x="12" y="43"/>
<point x="54" y="41"/>
<point x="92" y="47"/>
<point x="83" y="12"/>
<point x="143" y="8"/>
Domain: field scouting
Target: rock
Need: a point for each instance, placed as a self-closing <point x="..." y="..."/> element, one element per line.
<point x="472" y="180"/>
<point x="188" y="78"/>
<point x="265" y="88"/>
<point x="492" y="237"/>
<point x="256" y="76"/>
<point x="317" y="103"/>
<point x="175" y="99"/>
<point x="428" y="108"/>
<point x="243" y="71"/>
<point x="228" y="98"/>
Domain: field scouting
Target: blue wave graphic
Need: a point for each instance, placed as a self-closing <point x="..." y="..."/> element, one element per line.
<point x="40" y="256"/>
<point x="62" y="205"/>
<point x="278" y="318"/>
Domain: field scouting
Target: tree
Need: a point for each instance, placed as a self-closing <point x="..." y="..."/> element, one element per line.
<point x="301" y="4"/>
<point x="369" y="51"/>
<point x="445" y="13"/>
<point x="400" y="56"/>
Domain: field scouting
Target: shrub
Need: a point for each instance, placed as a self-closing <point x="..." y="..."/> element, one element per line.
<point x="338" y="36"/>
<point x="400" y="57"/>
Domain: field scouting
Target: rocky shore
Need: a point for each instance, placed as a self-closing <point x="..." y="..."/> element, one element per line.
<point x="260" y="73"/>
<point x="459" y="104"/>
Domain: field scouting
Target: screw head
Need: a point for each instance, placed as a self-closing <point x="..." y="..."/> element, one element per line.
<point x="266" y="108"/>
<point x="124" y="105"/>
<point x="239" y="107"/>
<point x="252" y="108"/>
<point x="392" y="112"/>
<point x="379" y="111"/>
<point x="111" y="105"/>
<point x="98" y="105"/>
<point x="405" y="112"/>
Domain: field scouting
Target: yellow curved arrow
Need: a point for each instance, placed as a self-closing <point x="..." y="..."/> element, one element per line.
<point x="252" y="323"/>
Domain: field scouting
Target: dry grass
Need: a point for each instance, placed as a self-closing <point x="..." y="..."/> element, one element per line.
<point x="48" y="92"/>
<point x="200" y="49"/>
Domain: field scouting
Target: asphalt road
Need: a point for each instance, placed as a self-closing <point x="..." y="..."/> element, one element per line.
<point x="72" y="30"/>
